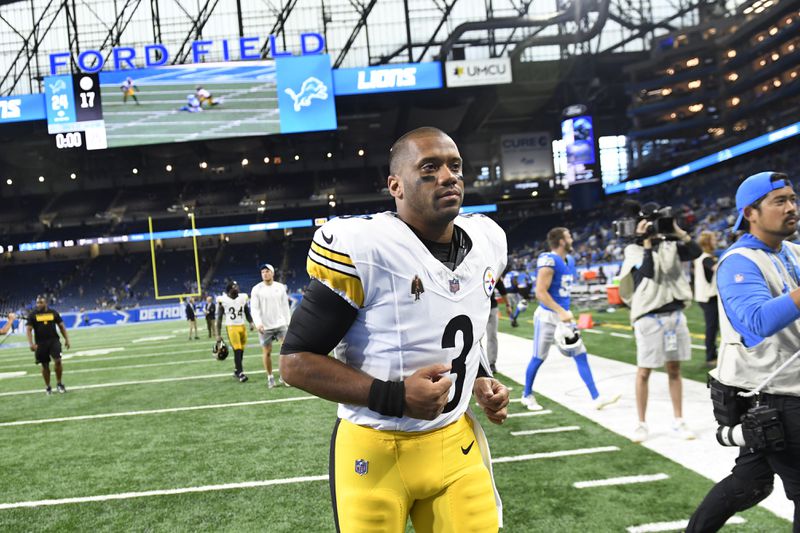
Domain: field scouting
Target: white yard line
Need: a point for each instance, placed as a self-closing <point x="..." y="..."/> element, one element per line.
<point x="530" y="413"/>
<point x="549" y="455"/>
<point x="154" y="411"/>
<point x="621" y="335"/>
<point x="256" y="484"/>
<point x="561" y="429"/>
<point x="127" y="383"/>
<point x="166" y="492"/>
<point x="677" y="525"/>
<point x="625" y="480"/>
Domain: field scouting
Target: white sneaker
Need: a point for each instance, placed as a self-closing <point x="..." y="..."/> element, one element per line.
<point x="682" y="431"/>
<point x="603" y="400"/>
<point x="281" y="382"/>
<point x="531" y="403"/>
<point x="640" y="433"/>
<point x="270" y="382"/>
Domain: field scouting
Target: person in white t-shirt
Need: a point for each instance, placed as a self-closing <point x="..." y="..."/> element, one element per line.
<point x="269" y="305"/>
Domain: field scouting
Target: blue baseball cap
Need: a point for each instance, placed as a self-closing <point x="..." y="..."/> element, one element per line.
<point x="756" y="187"/>
<point x="269" y="267"/>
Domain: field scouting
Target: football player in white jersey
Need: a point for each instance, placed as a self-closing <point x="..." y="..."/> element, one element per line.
<point x="404" y="299"/>
<point x="234" y="310"/>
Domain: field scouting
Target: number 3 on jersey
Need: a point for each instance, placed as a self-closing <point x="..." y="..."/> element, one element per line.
<point x="463" y="324"/>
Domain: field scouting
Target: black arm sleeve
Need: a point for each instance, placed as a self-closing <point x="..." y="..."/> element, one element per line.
<point x="320" y="322"/>
<point x="689" y="251"/>
<point x="646" y="270"/>
<point x="708" y="268"/>
<point x="247" y="314"/>
<point x="501" y="288"/>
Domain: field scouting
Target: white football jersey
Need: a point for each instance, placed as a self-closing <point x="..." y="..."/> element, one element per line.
<point x="413" y="311"/>
<point x="233" y="309"/>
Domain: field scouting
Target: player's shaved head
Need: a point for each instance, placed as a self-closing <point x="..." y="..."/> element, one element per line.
<point x="400" y="151"/>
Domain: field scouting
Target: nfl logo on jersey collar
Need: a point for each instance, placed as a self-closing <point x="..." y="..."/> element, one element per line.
<point x="455" y="285"/>
<point x="362" y="467"/>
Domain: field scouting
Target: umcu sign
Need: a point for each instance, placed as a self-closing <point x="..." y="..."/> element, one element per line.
<point x="467" y="73"/>
<point x="387" y="78"/>
<point x="154" y="55"/>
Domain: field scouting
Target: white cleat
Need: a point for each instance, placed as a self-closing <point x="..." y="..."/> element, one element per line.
<point x="271" y="382"/>
<point x="531" y="403"/>
<point x="682" y="431"/>
<point x="604" y="401"/>
<point x="640" y="433"/>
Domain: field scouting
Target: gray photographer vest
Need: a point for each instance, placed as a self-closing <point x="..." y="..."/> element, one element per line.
<point x="744" y="367"/>
<point x="668" y="284"/>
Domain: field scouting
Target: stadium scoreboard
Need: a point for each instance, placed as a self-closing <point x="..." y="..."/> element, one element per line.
<point x="74" y="112"/>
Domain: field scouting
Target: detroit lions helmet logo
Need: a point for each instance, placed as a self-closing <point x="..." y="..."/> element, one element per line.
<point x="311" y="88"/>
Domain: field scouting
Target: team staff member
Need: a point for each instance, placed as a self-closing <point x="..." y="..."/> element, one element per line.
<point x="653" y="285"/>
<point x="10" y="324"/>
<point x="554" y="278"/>
<point x="269" y="301"/>
<point x="191" y="317"/>
<point x="407" y="294"/>
<point x="234" y="310"/>
<point x="759" y="289"/>
<point x="705" y="292"/>
<point x="210" y="312"/>
<point x="42" y="323"/>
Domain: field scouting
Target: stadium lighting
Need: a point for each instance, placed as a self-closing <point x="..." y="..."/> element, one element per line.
<point x="245" y="162"/>
<point x="735" y="101"/>
<point x="776" y="83"/>
<point x="135" y="170"/>
<point x="185" y="208"/>
<point x="670" y="71"/>
<point x="731" y="54"/>
<point x="361" y="152"/>
<point x="169" y="168"/>
<point x="534" y="194"/>
<point x="733" y="76"/>
<point x="261" y="209"/>
<point x="296" y="157"/>
<point x="666" y="92"/>
<point x="693" y="62"/>
<point x="695" y="84"/>
<point x="773" y="30"/>
<point x="73" y="176"/>
<point x="263" y="202"/>
<point x="329" y="155"/>
<point x="793" y="74"/>
<point x="332" y="203"/>
<point x="9" y="181"/>
<point x="775" y="56"/>
<point x="266" y="160"/>
<point x="203" y="164"/>
<point x="673" y="115"/>
<point x="331" y="197"/>
<point x="41" y="179"/>
<point x="694" y="108"/>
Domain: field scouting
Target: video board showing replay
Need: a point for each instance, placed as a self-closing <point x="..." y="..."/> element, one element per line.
<point x="189" y="102"/>
<point x="578" y="136"/>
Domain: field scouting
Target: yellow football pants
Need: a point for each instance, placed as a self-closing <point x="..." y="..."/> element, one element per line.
<point x="237" y="335"/>
<point x="379" y="478"/>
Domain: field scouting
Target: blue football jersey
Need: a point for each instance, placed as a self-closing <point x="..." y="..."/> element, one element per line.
<point x="564" y="274"/>
<point x="510" y="281"/>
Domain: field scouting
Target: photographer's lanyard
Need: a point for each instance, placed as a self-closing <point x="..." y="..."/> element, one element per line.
<point x="670" y="335"/>
<point x="794" y="272"/>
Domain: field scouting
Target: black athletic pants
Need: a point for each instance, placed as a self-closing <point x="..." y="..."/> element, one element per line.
<point x="751" y="479"/>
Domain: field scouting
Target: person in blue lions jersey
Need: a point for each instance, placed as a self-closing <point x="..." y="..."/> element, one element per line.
<point x="555" y="275"/>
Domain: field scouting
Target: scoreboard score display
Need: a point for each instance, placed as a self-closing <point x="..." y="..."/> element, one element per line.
<point x="73" y="105"/>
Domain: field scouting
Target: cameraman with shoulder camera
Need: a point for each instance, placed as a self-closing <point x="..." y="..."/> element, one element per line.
<point x="758" y="280"/>
<point x="653" y="285"/>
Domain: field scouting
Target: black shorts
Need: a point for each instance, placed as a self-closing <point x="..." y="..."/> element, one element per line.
<point x="47" y="350"/>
